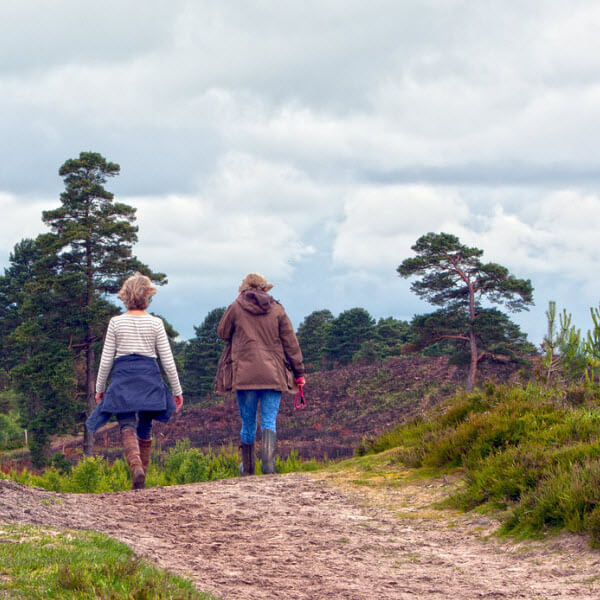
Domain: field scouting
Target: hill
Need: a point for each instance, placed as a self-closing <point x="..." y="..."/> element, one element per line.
<point x="343" y="406"/>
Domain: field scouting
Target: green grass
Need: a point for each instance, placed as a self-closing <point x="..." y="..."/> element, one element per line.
<point x="41" y="563"/>
<point x="533" y="453"/>
<point x="180" y="465"/>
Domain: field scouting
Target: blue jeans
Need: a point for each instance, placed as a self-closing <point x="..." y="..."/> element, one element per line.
<point x="140" y="422"/>
<point x="248" y="403"/>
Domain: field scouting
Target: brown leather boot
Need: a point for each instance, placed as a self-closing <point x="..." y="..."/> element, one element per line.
<point x="145" y="447"/>
<point x="248" y="459"/>
<point x="132" y="454"/>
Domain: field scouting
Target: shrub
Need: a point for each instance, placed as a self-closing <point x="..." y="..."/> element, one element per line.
<point x="533" y="450"/>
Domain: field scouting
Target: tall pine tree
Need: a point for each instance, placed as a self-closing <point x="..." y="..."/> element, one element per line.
<point x="93" y="237"/>
<point x="454" y="277"/>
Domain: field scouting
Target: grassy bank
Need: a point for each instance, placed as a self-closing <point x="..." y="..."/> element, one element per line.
<point x="41" y="563"/>
<point x="533" y="454"/>
<point x="181" y="464"/>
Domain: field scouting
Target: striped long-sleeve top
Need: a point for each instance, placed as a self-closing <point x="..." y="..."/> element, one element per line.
<point x="137" y="334"/>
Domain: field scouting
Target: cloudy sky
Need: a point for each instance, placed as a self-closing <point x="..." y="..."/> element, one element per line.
<point x="315" y="141"/>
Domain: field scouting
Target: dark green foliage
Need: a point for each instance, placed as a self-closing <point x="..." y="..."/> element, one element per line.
<point x="498" y="337"/>
<point x="40" y="355"/>
<point x="13" y="290"/>
<point x="388" y="339"/>
<point x="313" y="335"/>
<point x="448" y="268"/>
<point x="530" y="450"/>
<point x="200" y="356"/>
<point x="453" y="276"/>
<point x="347" y="333"/>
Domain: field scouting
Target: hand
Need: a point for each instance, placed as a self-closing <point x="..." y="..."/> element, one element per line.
<point x="300" y="381"/>
<point x="178" y="403"/>
<point x="99" y="396"/>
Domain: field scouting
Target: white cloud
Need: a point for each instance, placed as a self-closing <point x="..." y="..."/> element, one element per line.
<point x="251" y="135"/>
<point x="250" y="217"/>
<point x="22" y="219"/>
<point x="381" y="224"/>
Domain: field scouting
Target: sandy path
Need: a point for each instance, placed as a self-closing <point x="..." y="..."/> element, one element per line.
<point x="296" y="537"/>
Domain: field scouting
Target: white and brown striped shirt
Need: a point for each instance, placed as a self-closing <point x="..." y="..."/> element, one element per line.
<point x="137" y="334"/>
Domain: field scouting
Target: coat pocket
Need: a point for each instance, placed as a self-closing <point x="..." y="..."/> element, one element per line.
<point x="289" y="376"/>
<point x="224" y="379"/>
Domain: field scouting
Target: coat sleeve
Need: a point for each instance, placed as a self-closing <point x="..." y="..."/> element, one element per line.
<point x="226" y="324"/>
<point x="290" y="344"/>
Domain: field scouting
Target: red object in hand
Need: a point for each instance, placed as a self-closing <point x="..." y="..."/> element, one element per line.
<point x="300" y="380"/>
<point x="300" y="402"/>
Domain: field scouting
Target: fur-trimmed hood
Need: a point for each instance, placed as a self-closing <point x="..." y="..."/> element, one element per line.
<point x="255" y="302"/>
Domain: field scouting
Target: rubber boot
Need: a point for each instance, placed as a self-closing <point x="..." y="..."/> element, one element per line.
<point x="248" y="465"/>
<point x="132" y="455"/>
<point x="269" y="441"/>
<point x="145" y="447"/>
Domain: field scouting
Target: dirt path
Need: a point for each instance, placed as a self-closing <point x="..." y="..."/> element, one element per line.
<point x="295" y="537"/>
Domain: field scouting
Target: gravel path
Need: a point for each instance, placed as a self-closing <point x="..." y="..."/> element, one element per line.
<point x="296" y="537"/>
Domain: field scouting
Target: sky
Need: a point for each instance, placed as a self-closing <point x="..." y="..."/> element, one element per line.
<point x="315" y="141"/>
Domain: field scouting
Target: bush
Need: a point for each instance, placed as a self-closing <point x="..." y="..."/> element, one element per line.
<point x="533" y="450"/>
<point x="11" y="433"/>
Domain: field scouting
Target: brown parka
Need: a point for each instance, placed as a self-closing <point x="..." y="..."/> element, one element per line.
<point x="262" y="351"/>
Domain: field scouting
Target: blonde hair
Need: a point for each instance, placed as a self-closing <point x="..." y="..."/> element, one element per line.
<point x="137" y="291"/>
<point x="255" y="281"/>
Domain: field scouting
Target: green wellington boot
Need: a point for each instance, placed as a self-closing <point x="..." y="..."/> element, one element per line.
<point x="269" y="441"/>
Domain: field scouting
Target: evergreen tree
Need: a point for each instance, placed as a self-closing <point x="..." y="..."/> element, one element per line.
<point x="389" y="338"/>
<point x="39" y="354"/>
<point x="346" y="334"/>
<point x="312" y="336"/>
<point x="201" y="355"/>
<point x="92" y="236"/>
<point x="454" y="277"/>
<point x="12" y="290"/>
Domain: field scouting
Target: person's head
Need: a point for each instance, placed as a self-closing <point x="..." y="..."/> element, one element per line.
<point x="137" y="291"/>
<point x="255" y="282"/>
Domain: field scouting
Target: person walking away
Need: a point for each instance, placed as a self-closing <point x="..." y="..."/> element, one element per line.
<point x="137" y="393"/>
<point x="262" y="359"/>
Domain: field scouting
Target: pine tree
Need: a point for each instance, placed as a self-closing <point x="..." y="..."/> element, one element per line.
<point x="201" y="356"/>
<point x="347" y="332"/>
<point x="39" y="355"/>
<point x="93" y="237"/>
<point x="312" y="336"/>
<point x="454" y="277"/>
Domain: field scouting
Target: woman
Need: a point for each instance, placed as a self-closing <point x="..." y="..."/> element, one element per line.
<point x="137" y="394"/>
<point x="262" y="358"/>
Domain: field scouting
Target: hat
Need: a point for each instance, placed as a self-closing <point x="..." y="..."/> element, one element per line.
<point x="255" y="281"/>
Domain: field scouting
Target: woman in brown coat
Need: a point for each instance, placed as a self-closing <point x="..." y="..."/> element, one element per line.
<point x="262" y="358"/>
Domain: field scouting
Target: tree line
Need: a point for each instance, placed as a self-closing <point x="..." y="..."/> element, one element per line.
<point x="55" y="302"/>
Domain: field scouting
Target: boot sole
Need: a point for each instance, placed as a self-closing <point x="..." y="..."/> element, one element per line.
<point x="138" y="480"/>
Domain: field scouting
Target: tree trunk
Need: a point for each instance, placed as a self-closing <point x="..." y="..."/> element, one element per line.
<point x="472" y="340"/>
<point x="90" y="385"/>
<point x="474" y="360"/>
<point x="90" y="379"/>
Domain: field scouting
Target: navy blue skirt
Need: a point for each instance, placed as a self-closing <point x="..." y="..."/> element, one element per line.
<point x="136" y="384"/>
